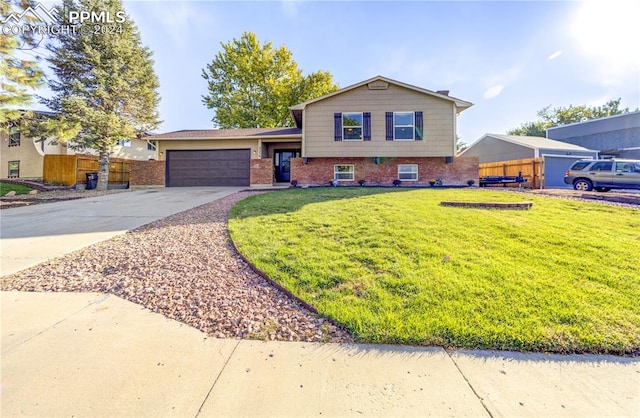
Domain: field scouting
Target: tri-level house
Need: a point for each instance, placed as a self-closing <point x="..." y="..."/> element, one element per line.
<point x="378" y="130"/>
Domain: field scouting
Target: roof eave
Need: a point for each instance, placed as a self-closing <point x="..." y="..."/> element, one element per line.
<point x="209" y="138"/>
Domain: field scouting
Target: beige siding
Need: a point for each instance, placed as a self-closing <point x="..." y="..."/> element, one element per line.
<point x="137" y="151"/>
<point x="439" y="124"/>
<point x="164" y="146"/>
<point x="490" y="150"/>
<point x="29" y="153"/>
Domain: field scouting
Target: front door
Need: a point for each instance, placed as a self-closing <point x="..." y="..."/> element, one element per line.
<point x="283" y="165"/>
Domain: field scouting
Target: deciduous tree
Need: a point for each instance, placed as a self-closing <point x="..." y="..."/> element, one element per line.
<point x="253" y="85"/>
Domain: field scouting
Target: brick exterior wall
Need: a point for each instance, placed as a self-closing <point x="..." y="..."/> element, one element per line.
<point x="147" y="173"/>
<point x="261" y="171"/>
<point x="320" y="170"/>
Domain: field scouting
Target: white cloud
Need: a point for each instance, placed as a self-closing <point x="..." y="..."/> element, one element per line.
<point x="554" y="55"/>
<point x="290" y="7"/>
<point x="177" y="20"/>
<point x="493" y="91"/>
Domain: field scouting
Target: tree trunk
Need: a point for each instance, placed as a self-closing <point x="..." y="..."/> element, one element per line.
<point x="103" y="174"/>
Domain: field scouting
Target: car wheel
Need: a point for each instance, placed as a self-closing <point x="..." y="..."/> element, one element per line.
<point x="602" y="189"/>
<point x="583" y="185"/>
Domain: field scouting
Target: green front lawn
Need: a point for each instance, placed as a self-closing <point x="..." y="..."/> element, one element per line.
<point x="18" y="188"/>
<point x="393" y="266"/>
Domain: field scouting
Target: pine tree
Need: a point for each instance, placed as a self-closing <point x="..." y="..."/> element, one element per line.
<point x="20" y="73"/>
<point x="105" y="80"/>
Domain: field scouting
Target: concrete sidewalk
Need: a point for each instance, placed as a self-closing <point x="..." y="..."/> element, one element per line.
<point x="33" y="234"/>
<point x="89" y="354"/>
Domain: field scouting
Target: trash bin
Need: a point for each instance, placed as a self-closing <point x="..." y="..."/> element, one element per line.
<point x="92" y="180"/>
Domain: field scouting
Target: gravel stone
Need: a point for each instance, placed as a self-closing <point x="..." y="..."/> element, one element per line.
<point x="186" y="268"/>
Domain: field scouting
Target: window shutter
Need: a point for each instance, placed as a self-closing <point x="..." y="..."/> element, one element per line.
<point x="337" y="126"/>
<point x="366" y="126"/>
<point x="419" y="124"/>
<point x="388" y="118"/>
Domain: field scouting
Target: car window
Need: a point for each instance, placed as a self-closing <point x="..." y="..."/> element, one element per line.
<point x="580" y="165"/>
<point x="602" y="166"/>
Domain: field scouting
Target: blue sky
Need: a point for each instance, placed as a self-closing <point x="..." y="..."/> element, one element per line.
<point x="509" y="58"/>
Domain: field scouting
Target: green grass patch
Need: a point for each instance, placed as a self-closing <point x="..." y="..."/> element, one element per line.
<point x="393" y="266"/>
<point x="18" y="188"/>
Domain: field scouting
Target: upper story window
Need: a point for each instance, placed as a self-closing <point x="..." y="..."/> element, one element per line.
<point x="404" y="126"/>
<point x="124" y="142"/>
<point x="352" y="126"/>
<point x="151" y="146"/>
<point x="14" y="136"/>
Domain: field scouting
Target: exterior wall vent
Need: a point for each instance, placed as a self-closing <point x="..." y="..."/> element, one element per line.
<point x="378" y="85"/>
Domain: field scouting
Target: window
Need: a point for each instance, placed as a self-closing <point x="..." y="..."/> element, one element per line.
<point x="14" y="169"/>
<point x="403" y="126"/>
<point x="14" y="136"/>
<point x="602" y="166"/>
<point x="408" y="172"/>
<point x="625" y="167"/>
<point x="343" y="172"/>
<point x="151" y="146"/>
<point x="580" y="165"/>
<point x="124" y="142"/>
<point x="352" y="126"/>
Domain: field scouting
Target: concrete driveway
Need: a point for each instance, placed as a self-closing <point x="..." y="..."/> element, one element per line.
<point x="33" y="234"/>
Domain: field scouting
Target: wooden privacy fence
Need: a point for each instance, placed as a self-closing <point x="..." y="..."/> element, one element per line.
<point x="72" y="169"/>
<point x="532" y="169"/>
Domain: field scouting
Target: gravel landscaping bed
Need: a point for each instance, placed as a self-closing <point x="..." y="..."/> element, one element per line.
<point x="184" y="267"/>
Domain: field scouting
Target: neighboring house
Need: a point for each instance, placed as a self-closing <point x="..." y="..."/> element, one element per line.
<point x="23" y="157"/>
<point x="140" y="149"/>
<point x="614" y="136"/>
<point x="377" y="130"/>
<point x="558" y="156"/>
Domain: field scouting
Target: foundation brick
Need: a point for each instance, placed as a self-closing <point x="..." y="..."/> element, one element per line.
<point x="321" y="170"/>
<point x="147" y="173"/>
<point x="261" y="171"/>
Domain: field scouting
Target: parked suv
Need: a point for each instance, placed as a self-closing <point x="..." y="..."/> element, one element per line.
<point x="604" y="175"/>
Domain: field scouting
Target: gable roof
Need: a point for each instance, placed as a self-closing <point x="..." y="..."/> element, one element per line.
<point x="205" y="134"/>
<point x="296" y="110"/>
<point x="538" y="142"/>
<point x="533" y="142"/>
